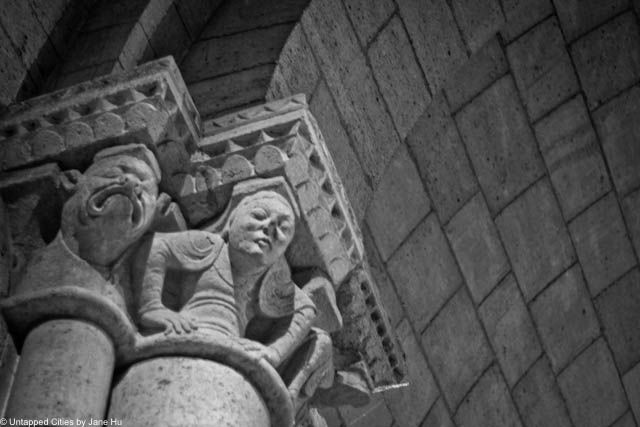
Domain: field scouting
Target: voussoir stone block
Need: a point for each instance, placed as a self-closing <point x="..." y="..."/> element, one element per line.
<point x="619" y="129"/>
<point x="579" y="16"/>
<point x="538" y="398"/>
<point x="398" y="205"/>
<point x="475" y="241"/>
<point x="501" y="145"/>
<point x="592" y="388"/>
<point x="601" y="240"/>
<point x="424" y="272"/>
<point x="488" y="404"/>
<point x="510" y="330"/>
<point x="478" y="20"/>
<point x="619" y="308"/>
<point x="565" y="318"/>
<point x="522" y="15"/>
<point x="608" y="58"/>
<point x="441" y="159"/>
<point x="368" y="17"/>
<point x="569" y="146"/>
<point x="456" y="348"/>
<point x="542" y="68"/>
<point x="535" y="238"/>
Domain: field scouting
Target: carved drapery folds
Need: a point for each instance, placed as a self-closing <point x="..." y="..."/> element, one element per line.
<point x="211" y="246"/>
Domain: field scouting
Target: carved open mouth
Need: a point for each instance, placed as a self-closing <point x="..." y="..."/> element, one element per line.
<point x="99" y="201"/>
<point x="263" y="242"/>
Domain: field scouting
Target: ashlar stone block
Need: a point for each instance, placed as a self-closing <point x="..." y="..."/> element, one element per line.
<point x="522" y="15"/>
<point x="488" y="404"/>
<point x="538" y="398"/>
<point x="535" y="238"/>
<point x="368" y="17"/>
<point x="478" y="20"/>
<point x="475" y="241"/>
<point x="375" y="414"/>
<point x="501" y="145"/>
<point x="424" y="272"/>
<point x="510" y="330"/>
<point x="619" y="308"/>
<point x="632" y="386"/>
<point x="579" y="16"/>
<point x="631" y="211"/>
<point x="456" y="348"/>
<point x="565" y="318"/>
<point x="625" y="421"/>
<point x="569" y="146"/>
<point x="601" y="240"/>
<point x="592" y="388"/>
<point x="438" y="416"/>
<point x="542" y="68"/>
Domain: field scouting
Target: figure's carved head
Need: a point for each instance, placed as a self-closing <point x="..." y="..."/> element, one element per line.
<point x="113" y="203"/>
<point x="260" y="229"/>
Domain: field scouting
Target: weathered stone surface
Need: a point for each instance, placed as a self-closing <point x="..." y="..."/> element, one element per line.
<point x="478" y="20"/>
<point x="500" y="143"/>
<point x="608" y="59"/>
<point x="97" y="47"/>
<point x="631" y="211"/>
<point x="538" y="398"/>
<point x="456" y="348"/>
<point x="522" y="15"/>
<point x="48" y="13"/>
<point x="592" y="388"/>
<point x="398" y="75"/>
<point x="441" y="159"/>
<point x="343" y="155"/>
<point x="168" y="34"/>
<point x="578" y="16"/>
<point x="535" y="238"/>
<point x="424" y="272"/>
<point x="438" y="416"/>
<point x="474" y="239"/>
<point x="601" y="240"/>
<point x="483" y="68"/>
<point x="618" y="126"/>
<point x="398" y="205"/>
<point x="625" y="421"/>
<point x="375" y="414"/>
<point x="619" y="309"/>
<point x="542" y="68"/>
<point x="117" y="12"/>
<point x="510" y="330"/>
<point x="488" y="404"/>
<point x="8" y="364"/>
<point x="565" y="318"/>
<point x="570" y="149"/>
<point x="435" y="37"/>
<point x="410" y="404"/>
<point x="12" y="73"/>
<point x="368" y="17"/>
<point x="23" y="28"/>
<point x="632" y="385"/>
<point x="6" y="261"/>
<point x="195" y="14"/>
<point x="297" y="71"/>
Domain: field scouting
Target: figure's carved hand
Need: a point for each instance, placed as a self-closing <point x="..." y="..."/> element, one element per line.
<point x="168" y="320"/>
<point x="261" y="351"/>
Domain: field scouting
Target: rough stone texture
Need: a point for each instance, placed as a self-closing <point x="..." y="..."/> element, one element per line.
<point x="592" y="388"/>
<point x="456" y="348"/>
<point x="488" y="404"/>
<point x="483" y="68"/>
<point x="500" y="143"/>
<point x="474" y="239"/>
<point x="601" y="240"/>
<point x="410" y="404"/>
<point x="398" y="205"/>
<point x="441" y="159"/>
<point x="438" y="416"/>
<point x="631" y="211"/>
<point x="632" y="386"/>
<point x="538" y="398"/>
<point x="571" y="152"/>
<point x="435" y="38"/>
<point x="619" y="129"/>
<point x="375" y="414"/>
<point x="343" y="155"/>
<point x="542" y="68"/>
<point x="479" y="20"/>
<point x="398" y="75"/>
<point x="424" y="272"/>
<point x="368" y="17"/>
<point x="579" y="16"/>
<point x="608" y="59"/>
<point x="510" y="330"/>
<point x="522" y="15"/>
<point x="12" y="71"/>
<point x="23" y="28"/>
<point x="619" y="309"/>
<point x="535" y="238"/>
<point x="565" y="318"/>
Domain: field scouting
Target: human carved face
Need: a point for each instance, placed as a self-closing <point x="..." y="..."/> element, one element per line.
<point x="260" y="231"/>
<point x="114" y="206"/>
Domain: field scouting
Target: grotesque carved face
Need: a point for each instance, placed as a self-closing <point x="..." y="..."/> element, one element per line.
<point x="113" y="206"/>
<point x="260" y="229"/>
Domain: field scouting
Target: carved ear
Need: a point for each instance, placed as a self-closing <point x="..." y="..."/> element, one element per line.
<point x="69" y="181"/>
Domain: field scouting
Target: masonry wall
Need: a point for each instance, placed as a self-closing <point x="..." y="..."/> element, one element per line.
<point x="497" y="182"/>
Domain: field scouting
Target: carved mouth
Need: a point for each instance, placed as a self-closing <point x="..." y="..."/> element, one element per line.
<point x="99" y="201"/>
<point x="263" y="242"/>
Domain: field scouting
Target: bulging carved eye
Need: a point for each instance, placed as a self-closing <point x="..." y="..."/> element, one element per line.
<point x="259" y="214"/>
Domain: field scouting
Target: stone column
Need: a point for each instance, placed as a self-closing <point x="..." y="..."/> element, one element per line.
<point x="65" y="371"/>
